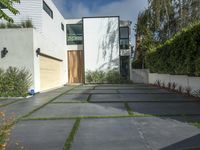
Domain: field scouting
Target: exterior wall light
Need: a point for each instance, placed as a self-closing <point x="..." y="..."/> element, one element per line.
<point x="38" y="52"/>
<point x="4" y="52"/>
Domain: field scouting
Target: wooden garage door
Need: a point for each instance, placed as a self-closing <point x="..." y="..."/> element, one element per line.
<point x="50" y="73"/>
<point x="75" y="66"/>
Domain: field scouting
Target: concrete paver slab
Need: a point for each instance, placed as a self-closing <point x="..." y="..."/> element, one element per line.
<point x="85" y="87"/>
<point x="142" y="91"/>
<point x="79" y="109"/>
<point x="72" y="98"/>
<point x="168" y="133"/>
<point x="125" y="88"/>
<point x="8" y="101"/>
<point x="40" y="135"/>
<point x="148" y="133"/>
<point x="92" y="91"/>
<point x="156" y="97"/>
<point x="105" y="97"/>
<point x="25" y="106"/>
<point x="165" y="108"/>
<point x="108" y="134"/>
<point x="140" y="97"/>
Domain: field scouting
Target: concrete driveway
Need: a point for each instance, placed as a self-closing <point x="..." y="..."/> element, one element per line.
<point x="106" y="117"/>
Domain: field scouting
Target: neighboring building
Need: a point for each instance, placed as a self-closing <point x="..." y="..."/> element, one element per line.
<point x="59" y="51"/>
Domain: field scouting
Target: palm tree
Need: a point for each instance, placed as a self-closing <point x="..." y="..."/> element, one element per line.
<point x="9" y="5"/>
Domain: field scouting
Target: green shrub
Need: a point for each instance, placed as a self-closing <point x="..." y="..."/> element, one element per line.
<point x="179" y="55"/>
<point x="12" y="25"/>
<point x="112" y="76"/>
<point x="95" y="77"/>
<point x="24" y="24"/>
<point x="137" y="64"/>
<point x="27" y="24"/>
<point x="197" y="67"/>
<point x="14" y="82"/>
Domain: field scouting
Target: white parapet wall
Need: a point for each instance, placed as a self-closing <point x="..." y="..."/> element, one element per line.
<point x="180" y="80"/>
<point x="140" y="76"/>
<point x="184" y="81"/>
<point x="19" y="43"/>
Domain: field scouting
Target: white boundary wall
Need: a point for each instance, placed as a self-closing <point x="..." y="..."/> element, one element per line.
<point x="140" y="76"/>
<point x="181" y="80"/>
<point x="143" y="76"/>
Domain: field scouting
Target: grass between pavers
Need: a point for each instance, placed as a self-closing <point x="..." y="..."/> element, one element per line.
<point x="128" y="108"/>
<point x="89" y="97"/>
<point x="50" y="101"/>
<point x="196" y="124"/>
<point x="192" y="121"/>
<point x="70" y="139"/>
<point x="16" y="120"/>
<point x="70" y="102"/>
<point x="104" y="117"/>
<point x="88" y="117"/>
<point x="14" y="101"/>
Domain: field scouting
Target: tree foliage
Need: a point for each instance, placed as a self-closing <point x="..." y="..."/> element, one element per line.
<point x="9" y="5"/>
<point x="180" y="55"/>
<point x="161" y="21"/>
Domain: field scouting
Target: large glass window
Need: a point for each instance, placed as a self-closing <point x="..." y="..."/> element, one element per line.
<point x="47" y="9"/>
<point x="124" y="32"/>
<point x="124" y="43"/>
<point x="74" y="34"/>
<point x="124" y="38"/>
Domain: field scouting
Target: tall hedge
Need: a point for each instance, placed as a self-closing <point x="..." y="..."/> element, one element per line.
<point x="179" y="55"/>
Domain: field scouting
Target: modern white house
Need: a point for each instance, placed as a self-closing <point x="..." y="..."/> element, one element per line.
<point x="60" y="51"/>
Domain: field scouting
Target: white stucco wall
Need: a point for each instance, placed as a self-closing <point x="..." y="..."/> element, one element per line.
<point x="101" y="43"/>
<point x="19" y="43"/>
<point x="42" y="22"/>
<point x="52" y="27"/>
<point x="50" y="48"/>
<point x="22" y="45"/>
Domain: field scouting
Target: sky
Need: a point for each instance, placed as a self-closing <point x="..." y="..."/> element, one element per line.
<point x="126" y="9"/>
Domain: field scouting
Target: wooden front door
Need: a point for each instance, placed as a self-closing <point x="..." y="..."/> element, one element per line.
<point x="75" y="66"/>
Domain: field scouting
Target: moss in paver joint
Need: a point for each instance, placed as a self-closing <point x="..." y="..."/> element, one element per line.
<point x="129" y="110"/>
<point x="90" y="117"/>
<point x="89" y="97"/>
<point x="3" y="105"/>
<point x="50" y="101"/>
<point x="72" y="135"/>
<point x="81" y="102"/>
<point x="196" y="124"/>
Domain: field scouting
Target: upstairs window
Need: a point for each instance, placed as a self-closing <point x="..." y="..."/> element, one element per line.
<point x="62" y="27"/>
<point x="124" y="38"/>
<point x="74" y="34"/>
<point x="47" y="9"/>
